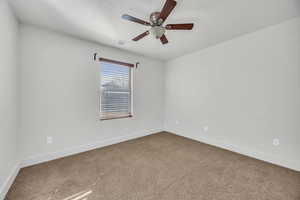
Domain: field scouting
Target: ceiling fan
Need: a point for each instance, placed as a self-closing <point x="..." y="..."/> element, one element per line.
<point x="157" y="20"/>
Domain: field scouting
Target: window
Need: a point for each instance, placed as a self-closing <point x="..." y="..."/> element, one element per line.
<point x="116" y="89"/>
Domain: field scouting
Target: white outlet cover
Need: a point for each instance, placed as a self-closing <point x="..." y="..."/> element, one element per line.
<point x="276" y="142"/>
<point x="176" y="122"/>
<point x="49" y="140"/>
<point x="205" y="128"/>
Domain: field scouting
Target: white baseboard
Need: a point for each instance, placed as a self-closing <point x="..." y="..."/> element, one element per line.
<point x="291" y="164"/>
<point x="40" y="158"/>
<point x="9" y="181"/>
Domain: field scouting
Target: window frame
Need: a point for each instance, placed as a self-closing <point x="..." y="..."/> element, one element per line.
<point x="123" y="64"/>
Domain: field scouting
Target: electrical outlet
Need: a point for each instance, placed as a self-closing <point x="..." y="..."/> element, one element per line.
<point x="276" y="142"/>
<point x="176" y="122"/>
<point x="49" y="140"/>
<point x="205" y="128"/>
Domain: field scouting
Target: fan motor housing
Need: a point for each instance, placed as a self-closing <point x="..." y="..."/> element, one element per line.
<point x="155" y="20"/>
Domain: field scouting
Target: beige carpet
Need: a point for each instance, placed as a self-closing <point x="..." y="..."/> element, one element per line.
<point x="157" y="167"/>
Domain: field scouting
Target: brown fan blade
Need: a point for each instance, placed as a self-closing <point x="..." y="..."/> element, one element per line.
<point x="167" y="9"/>
<point x="164" y="39"/>
<point x="141" y="36"/>
<point x="179" y="26"/>
<point x="136" y="20"/>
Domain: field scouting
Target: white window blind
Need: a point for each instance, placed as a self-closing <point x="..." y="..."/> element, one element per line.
<point x="115" y="91"/>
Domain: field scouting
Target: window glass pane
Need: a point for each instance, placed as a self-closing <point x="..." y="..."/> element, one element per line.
<point x="115" y="90"/>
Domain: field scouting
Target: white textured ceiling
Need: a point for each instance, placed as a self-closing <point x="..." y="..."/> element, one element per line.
<point x="100" y="21"/>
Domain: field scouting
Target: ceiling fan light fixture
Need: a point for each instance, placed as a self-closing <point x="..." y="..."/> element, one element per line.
<point x="157" y="31"/>
<point x="157" y="19"/>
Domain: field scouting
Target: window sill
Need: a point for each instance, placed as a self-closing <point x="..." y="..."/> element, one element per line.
<point x="120" y="117"/>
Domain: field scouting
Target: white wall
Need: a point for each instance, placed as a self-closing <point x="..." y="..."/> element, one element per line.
<point x="247" y="91"/>
<point x="8" y="94"/>
<point x="60" y="94"/>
